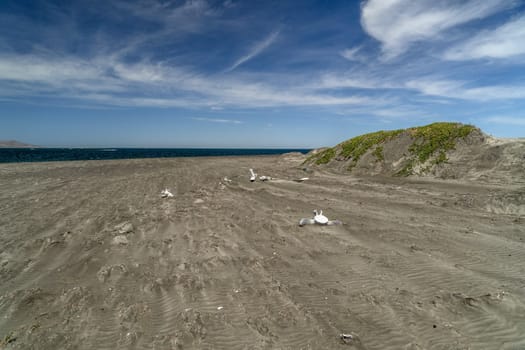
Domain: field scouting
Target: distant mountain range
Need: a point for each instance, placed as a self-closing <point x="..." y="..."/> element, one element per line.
<point x="15" y="144"/>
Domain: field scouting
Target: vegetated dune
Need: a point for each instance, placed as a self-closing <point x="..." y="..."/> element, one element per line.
<point x="442" y="150"/>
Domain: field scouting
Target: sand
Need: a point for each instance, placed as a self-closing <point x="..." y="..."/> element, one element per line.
<point x="92" y="258"/>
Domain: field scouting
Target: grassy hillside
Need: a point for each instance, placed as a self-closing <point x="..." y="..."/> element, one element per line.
<point x="420" y="147"/>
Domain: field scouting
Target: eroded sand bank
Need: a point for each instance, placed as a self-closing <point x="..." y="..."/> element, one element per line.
<point x="92" y="258"/>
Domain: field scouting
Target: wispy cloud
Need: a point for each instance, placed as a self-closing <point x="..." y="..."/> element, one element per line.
<point x="217" y="120"/>
<point x="507" y="120"/>
<point x="182" y="15"/>
<point x="436" y="86"/>
<point x="114" y="82"/>
<point x="397" y="24"/>
<point x="352" y="54"/>
<point x="256" y="50"/>
<point x="366" y="80"/>
<point x="389" y="113"/>
<point x="31" y="68"/>
<point x="32" y="75"/>
<point x="505" y="41"/>
<point x="460" y="90"/>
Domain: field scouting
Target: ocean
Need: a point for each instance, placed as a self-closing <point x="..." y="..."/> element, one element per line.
<point x="15" y="155"/>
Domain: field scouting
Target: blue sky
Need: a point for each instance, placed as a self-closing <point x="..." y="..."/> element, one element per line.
<point x="230" y="73"/>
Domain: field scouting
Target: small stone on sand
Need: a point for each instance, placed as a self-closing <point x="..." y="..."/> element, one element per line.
<point x="120" y="240"/>
<point x="125" y="227"/>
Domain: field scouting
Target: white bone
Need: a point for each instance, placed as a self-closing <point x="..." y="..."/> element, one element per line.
<point x="254" y="176"/>
<point x="319" y="219"/>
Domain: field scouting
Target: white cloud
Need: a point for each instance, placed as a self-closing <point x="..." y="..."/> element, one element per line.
<point x="50" y="74"/>
<point x="397" y="24"/>
<point x="106" y="99"/>
<point x="459" y="90"/>
<point x="256" y="50"/>
<point x="33" y="69"/>
<point x="351" y="81"/>
<point x="435" y="87"/>
<point x="180" y="14"/>
<point x="506" y="41"/>
<point x="139" y="72"/>
<point x="395" y="111"/>
<point x="352" y="54"/>
<point x="229" y="4"/>
<point x="496" y="92"/>
<point x="507" y="120"/>
<point x="222" y="121"/>
<point x="111" y="82"/>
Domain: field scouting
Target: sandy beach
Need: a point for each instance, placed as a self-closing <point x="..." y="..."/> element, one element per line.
<point x="91" y="257"/>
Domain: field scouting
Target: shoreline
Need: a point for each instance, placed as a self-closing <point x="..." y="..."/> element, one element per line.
<point x="40" y="155"/>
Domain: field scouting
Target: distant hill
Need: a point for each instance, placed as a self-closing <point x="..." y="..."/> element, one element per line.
<point x="445" y="150"/>
<point x="15" y="144"/>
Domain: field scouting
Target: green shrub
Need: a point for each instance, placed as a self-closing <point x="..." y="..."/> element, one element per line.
<point x="325" y="156"/>
<point x="407" y="170"/>
<point x="359" y="145"/>
<point x="378" y="153"/>
<point x="437" y="137"/>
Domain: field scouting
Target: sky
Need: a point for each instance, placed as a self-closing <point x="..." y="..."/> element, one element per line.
<point x="278" y="74"/>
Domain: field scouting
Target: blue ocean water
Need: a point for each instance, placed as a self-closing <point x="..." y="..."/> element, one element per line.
<point x="13" y="155"/>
